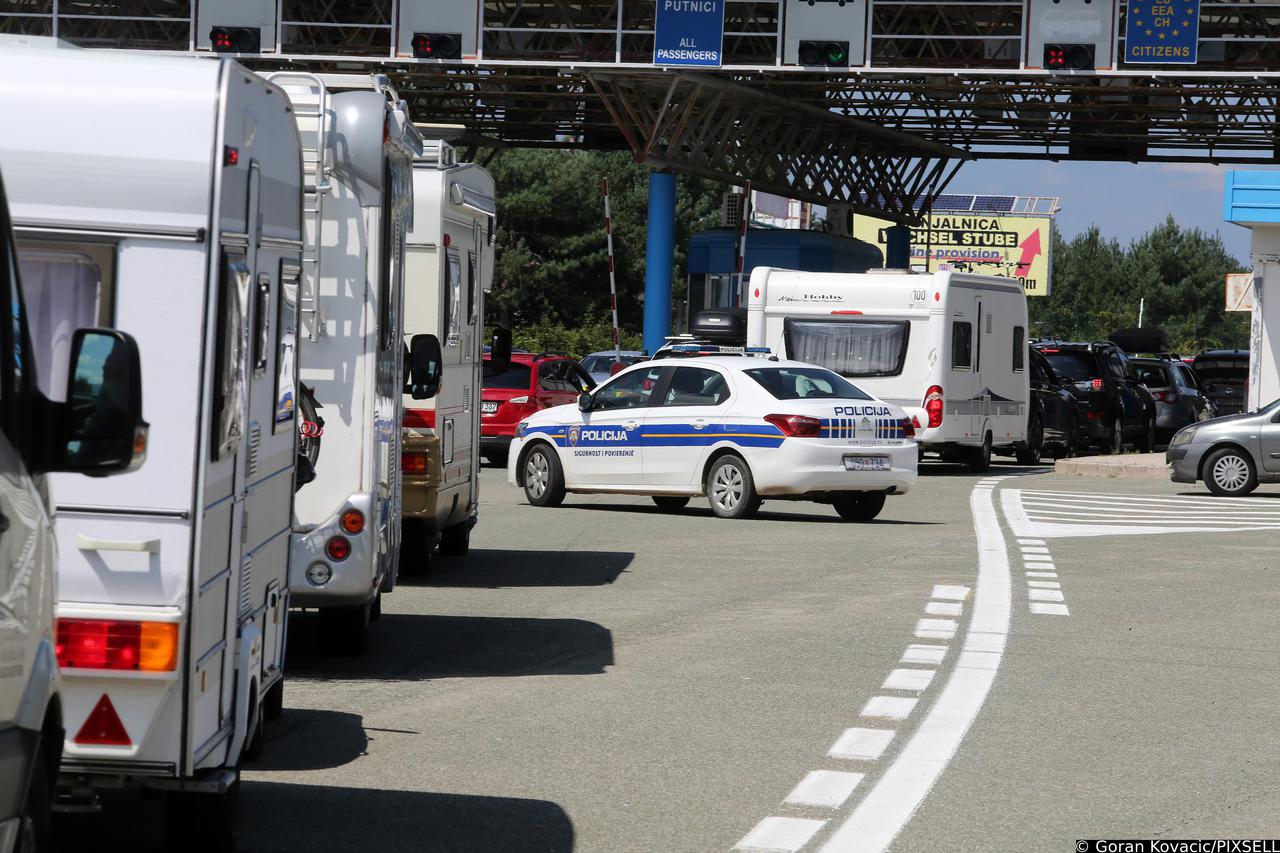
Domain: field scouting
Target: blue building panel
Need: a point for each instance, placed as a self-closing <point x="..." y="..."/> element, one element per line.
<point x="715" y="252"/>
<point x="1252" y="198"/>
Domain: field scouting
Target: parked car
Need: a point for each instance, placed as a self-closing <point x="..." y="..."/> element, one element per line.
<point x="529" y="384"/>
<point x="601" y="364"/>
<point x="1113" y="406"/>
<point x="1053" y="422"/>
<point x="1176" y="390"/>
<point x="1225" y="376"/>
<point x="1230" y="454"/>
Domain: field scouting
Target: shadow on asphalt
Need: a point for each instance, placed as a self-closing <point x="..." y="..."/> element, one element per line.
<point x="281" y="818"/>
<point x="762" y="515"/>
<point x="423" y="647"/>
<point x="307" y="739"/>
<point x="494" y="568"/>
<point x="931" y="468"/>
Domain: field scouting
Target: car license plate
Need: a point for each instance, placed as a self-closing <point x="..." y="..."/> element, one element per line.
<point x="488" y="407"/>
<point x="866" y="463"/>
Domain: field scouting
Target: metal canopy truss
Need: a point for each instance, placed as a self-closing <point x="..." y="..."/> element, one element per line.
<point x="703" y="125"/>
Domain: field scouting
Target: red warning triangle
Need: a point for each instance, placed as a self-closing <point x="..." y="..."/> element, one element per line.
<point x="103" y="727"/>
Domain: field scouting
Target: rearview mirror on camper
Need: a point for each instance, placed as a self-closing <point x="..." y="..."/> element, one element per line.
<point x="426" y="365"/>
<point x="102" y="421"/>
<point x="500" y="351"/>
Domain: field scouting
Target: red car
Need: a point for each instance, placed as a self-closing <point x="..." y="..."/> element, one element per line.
<point x="530" y="382"/>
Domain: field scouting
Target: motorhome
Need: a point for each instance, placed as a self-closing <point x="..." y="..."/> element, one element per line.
<point x="358" y="151"/>
<point x="167" y="204"/>
<point x="948" y="347"/>
<point x="51" y="386"/>
<point x="448" y="271"/>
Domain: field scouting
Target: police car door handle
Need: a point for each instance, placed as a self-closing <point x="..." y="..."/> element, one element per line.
<point x="699" y="424"/>
<point x="631" y="424"/>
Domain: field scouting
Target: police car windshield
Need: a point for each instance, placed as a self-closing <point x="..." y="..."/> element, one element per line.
<point x="806" y="383"/>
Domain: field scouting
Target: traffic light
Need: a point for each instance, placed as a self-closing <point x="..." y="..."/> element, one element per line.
<point x="236" y="39"/>
<point x="829" y="53"/>
<point x="437" y="45"/>
<point x="1069" y="57"/>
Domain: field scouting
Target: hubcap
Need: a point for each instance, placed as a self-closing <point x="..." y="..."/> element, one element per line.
<point x="726" y="487"/>
<point x="1231" y="473"/>
<point x="537" y="473"/>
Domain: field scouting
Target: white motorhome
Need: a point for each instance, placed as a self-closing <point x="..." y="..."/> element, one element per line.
<point x="51" y="387"/>
<point x="948" y="347"/>
<point x="448" y="271"/>
<point x="167" y="204"/>
<point x="358" y="146"/>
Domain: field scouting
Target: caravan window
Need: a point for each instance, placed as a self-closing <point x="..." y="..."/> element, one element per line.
<point x="230" y="378"/>
<point x="471" y="289"/>
<point x="850" y="347"/>
<point x="1019" y="348"/>
<point x="961" y="345"/>
<point x="452" y="297"/>
<point x="287" y="343"/>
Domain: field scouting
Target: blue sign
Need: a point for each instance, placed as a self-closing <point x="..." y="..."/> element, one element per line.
<point x="689" y="32"/>
<point x="1162" y="32"/>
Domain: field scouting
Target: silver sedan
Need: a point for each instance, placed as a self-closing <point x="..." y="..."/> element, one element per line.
<point x="1232" y="454"/>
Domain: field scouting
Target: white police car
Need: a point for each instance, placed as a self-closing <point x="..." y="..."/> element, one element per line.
<point x="737" y="429"/>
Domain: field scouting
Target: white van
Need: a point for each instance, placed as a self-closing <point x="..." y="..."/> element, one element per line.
<point x="448" y="271"/>
<point x="51" y="386"/>
<point x="948" y="347"/>
<point x="358" y="149"/>
<point x="163" y="198"/>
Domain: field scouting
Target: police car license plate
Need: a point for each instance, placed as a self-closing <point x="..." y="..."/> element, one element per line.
<point x="488" y="407"/>
<point x="866" y="463"/>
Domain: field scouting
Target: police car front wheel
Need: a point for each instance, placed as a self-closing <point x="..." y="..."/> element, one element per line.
<point x="731" y="489"/>
<point x="543" y="477"/>
<point x="859" y="506"/>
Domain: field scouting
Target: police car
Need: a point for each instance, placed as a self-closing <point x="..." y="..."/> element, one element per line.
<point x="736" y="429"/>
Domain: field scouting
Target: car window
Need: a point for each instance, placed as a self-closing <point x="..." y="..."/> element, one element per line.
<point x="1038" y="374"/>
<point x="515" y="378"/>
<point x="808" y="383"/>
<point x="696" y="386"/>
<point x="1188" y="377"/>
<point x="595" y="364"/>
<point x="1019" y="348"/>
<point x="585" y="381"/>
<point x="1073" y="366"/>
<point x="1152" y="375"/>
<point x="628" y="390"/>
<point x="961" y="345"/>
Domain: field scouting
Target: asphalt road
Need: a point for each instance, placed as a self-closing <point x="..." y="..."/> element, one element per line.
<point x="607" y="677"/>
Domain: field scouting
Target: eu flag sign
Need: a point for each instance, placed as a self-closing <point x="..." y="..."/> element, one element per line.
<point x="689" y="32"/>
<point x="1162" y="32"/>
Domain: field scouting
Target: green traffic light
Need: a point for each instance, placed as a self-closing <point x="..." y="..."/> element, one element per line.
<point x="837" y="55"/>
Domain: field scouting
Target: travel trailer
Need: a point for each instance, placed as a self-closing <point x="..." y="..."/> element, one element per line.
<point x="358" y="150"/>
<point x="948" y="347"/>
<point x="166" y="203"/>
<point x="52" y="386"/>
<point x="448" y="271"/>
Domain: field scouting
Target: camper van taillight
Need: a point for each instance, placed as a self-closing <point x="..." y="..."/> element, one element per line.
<point x="353" y="521"/>
<point x="933" y="405"/>
<point x="338" y="548"/>
<point x="230" y="156"/>
<point x="413" y="463"/>
<point x="859" y="313"/>
<point x="796" y="426"/>
<point x="113" y="644"/>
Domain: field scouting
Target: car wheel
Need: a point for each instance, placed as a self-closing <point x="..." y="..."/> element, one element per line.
<point x="543" y="477"/>
<point x="980" y="457"/>
<point x="37" y="813"/>
<point x="1148" y="443"/>
<point x="1117" y="438"/>
<point x="1030" y="455"/>
<point x="730" y="488"/>
<point x="670" y="503"/>
<point x="859" y="506"/>
<point x="1229" y="472"/>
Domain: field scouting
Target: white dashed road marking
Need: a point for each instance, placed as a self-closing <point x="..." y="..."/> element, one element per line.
<point x="924" y="654"/>
<point x="861" y="743"/>
<point x="889" y="707"/>
<point x="779" y="835"/>
<point x="829" y="788"/>
<point x="908" y="679"/>
<point x="936" y="629"/>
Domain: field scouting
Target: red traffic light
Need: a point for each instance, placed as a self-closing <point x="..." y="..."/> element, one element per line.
<point x="236" y="39"/>
<point x="436" y="45"/>
<point x="1073" y="57"/>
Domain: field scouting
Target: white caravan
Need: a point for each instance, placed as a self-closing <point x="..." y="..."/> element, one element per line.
<point x="448" y="271"/>
<point x="358" y="149"/>
<point x="52" y="388"/>
<point x="166" y="203"/>
<point x="948" y="347"/>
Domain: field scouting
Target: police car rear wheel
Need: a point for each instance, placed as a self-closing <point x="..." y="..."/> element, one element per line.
<point x="668" y="503"/>
<point x="731" y="490"/>
<point x="543" y="477"/>
<point x="859" y="506"/>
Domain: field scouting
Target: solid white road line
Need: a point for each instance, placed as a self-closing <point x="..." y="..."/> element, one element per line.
<point x="936" y="629"/>
<point x="1044" y="584"/>
<point x="890" y="804"/>
<point x="828" y="788"/>
<point x="1049" y="609"/>
<point x="861" y="743"/>
<point x="944" y="608"/>
<point x="950" y="593"/>
<point x="908" y="679"/>
<point x="889" y="707"/>
<point x="1044" y="595"/>
<point x="779" y="835"/>
<point x="924" y="654"/>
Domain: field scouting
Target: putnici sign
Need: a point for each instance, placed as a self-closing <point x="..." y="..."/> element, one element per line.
<point x="689" y="33"/>
<point x="985" y="243"/>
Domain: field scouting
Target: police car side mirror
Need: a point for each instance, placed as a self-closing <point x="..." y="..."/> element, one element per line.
<point x="584" y="402"/>
<point x="426" y="363"/>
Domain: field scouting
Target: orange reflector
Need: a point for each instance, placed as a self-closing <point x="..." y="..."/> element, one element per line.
<point x="158" y="647"/>
<point x="353" y="521"/>
<point x="103" y="726"/>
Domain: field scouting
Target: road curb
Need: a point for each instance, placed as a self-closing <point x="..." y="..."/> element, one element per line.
<point x="1134" y="466"/>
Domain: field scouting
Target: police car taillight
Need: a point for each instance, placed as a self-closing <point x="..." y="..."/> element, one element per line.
<point x="933" y="405"/>
<point x="796" y="426"/>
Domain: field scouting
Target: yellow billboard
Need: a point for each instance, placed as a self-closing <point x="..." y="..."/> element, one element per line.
<point x="986" y="243"/>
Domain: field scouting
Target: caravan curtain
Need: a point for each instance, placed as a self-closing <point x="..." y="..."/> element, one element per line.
<point x="850" y="347"/>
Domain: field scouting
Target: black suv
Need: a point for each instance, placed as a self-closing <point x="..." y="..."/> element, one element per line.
<point x="1224" y="373"/>
<point x="1114" y="407"/>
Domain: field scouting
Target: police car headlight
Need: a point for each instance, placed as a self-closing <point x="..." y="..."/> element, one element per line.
<point x="319" y="573"/>
<point x="520" y="428"/>
<point x="1183" y="436"/>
